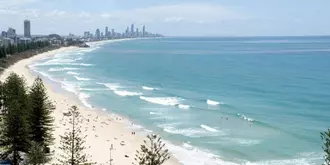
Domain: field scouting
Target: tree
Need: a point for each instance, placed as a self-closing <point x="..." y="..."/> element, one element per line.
<point x="72" y="142"/>
<point x="36" y="154"/>
<point x="326" y="146"/>
<point x="152" y="152"/>
<point x="14" y="138"/>
<point x="40" y="119"/>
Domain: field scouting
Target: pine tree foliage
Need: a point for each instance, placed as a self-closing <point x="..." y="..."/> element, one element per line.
<point x="72" y="143"/>
<point x="152" y="152"/>
<point x="36" y="154"/>
<point x="326" y="146"/>
<point x="14" y="127"/>
<point x="40" y="119"/>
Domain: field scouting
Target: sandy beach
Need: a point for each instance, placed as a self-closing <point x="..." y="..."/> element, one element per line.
<point x="102" y="129"/>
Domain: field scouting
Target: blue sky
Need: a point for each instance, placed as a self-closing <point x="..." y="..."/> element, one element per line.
<point x="171" y="17"/>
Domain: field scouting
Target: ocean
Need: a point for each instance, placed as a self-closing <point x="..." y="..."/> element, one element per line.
<point x="242" y="100"/>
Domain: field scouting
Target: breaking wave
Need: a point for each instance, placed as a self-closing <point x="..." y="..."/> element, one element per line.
<point x="211" y="102"/>
<point x="209" y="128"/>
<point x="171" y="101"/>
<point x="127" y="93"/>
<point x="61" y="69"/>
<point x="183" y="106"/>
<point x="82" y="78"/>
<point x="72" y="73"/>
<point x="245" y="118"/>
<point x="83" y="97"/>
<point x="148" y="88"/>
<point x="111" y="86"/>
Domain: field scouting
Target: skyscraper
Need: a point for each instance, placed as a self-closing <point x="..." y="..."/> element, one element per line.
<point x="143" y="31"/>
<point x="27" y="28"/>
<point x="113" y="33"/>
<point x="132" y="30"/>
<point x="137" y="32"/>
<point x="106" y="31"/>
<point x="97" y="33"/>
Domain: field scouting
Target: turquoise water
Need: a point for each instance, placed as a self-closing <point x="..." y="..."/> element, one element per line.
<point x="215" y="100"/>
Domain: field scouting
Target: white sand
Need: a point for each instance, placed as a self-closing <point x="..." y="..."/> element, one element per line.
<point x="102" y="130"/>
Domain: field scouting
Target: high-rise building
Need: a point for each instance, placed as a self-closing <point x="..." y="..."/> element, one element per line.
<point x="132" y="30"/>
<point x="113" y="33"/>
<point x="86" y="34"/>
<point x="137" y="32"/>
<point x="97" y="34"/>
<point x="106" y="31"/>
<point x="4" y="34"/>
<point x="11" y="33"/>
<point x="127" y="32"/>
<point x="102" y="35"/>
<point x="27" y="28"/>
<point x="143" y="31"/>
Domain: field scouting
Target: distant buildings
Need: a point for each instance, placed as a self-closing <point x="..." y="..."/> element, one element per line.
<point x="11" y="33"/>
<point x="137" y="33"/>
<point x="87" y="34"/>
<point x="27" y="29"/>
<point x="97" y="33"/>
<point x="107" y="32"/>
<point x="132" y="30"/>
<point x="143" y="31"/>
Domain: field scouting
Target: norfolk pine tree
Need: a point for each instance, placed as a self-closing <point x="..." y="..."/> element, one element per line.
<point x="72" y="142"/>
<point x="15" y="136"/>
<point x="36" y="154"/>
<point x="40" y="119"/>
<point x="152" y="152"/>
<point x="326" y="146"/>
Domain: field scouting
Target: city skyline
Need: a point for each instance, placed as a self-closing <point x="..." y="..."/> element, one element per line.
<point x="173" y="18"/>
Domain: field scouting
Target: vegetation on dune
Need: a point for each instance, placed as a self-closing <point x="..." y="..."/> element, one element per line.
<point x="326" y="146"/>
<point x="152" y="152"/>
<point x="73" y="141"/>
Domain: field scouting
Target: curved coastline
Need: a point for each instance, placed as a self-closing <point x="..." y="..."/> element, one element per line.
<point x="103" y="128"/>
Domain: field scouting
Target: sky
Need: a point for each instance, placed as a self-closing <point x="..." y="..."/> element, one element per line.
<point x="171" y="17"/>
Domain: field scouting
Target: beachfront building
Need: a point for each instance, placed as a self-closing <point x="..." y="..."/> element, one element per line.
<point x="113" y="32"/>
<point x="27" y="29"/>
<point x="24" y="40"/>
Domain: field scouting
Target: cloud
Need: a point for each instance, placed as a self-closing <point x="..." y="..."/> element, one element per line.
<point x="173" y="19"/>
<point x="13" y="3"/>
<point x="106" y="15"/>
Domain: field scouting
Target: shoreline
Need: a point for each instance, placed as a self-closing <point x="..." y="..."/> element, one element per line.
<point x="102" y="129"/>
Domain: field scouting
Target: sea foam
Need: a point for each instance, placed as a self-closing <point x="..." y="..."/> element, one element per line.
<point x="111" y="86"/>
<point x="72" y="73"/>
<point x="83" y="97"/>
<point x="62" y="69"/>
<point x="82" y="78"/>
<point x="171" y="101"/>
<point x="211" y="102"/>
<point x="148" y="88"/>
<point x="183" y="106"/>
<point x="209" y="128"/>
<point x="126" y="93"/>
<point x="245" y="118"/>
